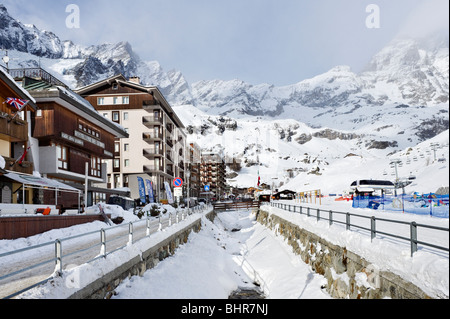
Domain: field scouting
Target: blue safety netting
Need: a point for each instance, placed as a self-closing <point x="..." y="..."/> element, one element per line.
<point x="420" y="204"/>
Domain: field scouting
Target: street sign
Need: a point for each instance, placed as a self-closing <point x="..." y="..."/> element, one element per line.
<point x="177" y="182"/>
<point x="178" y="192"/>
<point x="207" y="188"/>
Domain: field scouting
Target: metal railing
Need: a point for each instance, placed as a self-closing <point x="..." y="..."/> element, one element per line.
<point x="95" y="245"/>
<point x="36" y="73"/>
<point x="330" y="216"/>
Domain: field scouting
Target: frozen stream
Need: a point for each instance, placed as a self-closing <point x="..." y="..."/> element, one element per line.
<point x="233" y="252"/>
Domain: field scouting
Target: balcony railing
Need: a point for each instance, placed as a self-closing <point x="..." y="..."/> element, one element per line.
<point x="152" y="136"/>
<point x="36" y="73"/>
<point x="151" y="105"/>
<point x="169" y="142"/>
<point x="153" y="169"/>
<point x="169" y="157"/>
<point x="16" y="129"/>
<point x="24" y="167"/>
<point x="152" y="120"/>
<point x="151" y="153"/>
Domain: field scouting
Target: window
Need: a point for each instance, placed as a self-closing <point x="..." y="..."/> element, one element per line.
<point x="125" y="116"/>
<point x="125" y="100"/>
<point x="96" y="166"/>
<point x="115" y="86"/>
<point x="63" y="158"/>
<point x="101" y="101"/>
<point x="127" y="163"/>
<point x="116" y="163"/>
<point x="115" y="117"/>
<point x="105" y="115"/>
<point x="126" y="147"/>
<point x="86" y="128"/>
<point x="116" y="147"/>
<point x="115" y="100"/>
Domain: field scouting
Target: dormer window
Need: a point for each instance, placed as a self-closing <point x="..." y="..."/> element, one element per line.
<point x="115" y="86"/>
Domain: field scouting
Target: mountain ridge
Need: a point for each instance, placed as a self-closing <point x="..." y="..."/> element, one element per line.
<point x="398" y="101"/>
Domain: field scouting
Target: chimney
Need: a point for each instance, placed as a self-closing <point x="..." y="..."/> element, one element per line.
<point x="135" y="79"/>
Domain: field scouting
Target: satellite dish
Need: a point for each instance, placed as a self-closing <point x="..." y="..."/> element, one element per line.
<point x="6" y="59"/>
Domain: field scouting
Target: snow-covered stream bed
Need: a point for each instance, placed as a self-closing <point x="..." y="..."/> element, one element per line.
<point x="233" y="252"/>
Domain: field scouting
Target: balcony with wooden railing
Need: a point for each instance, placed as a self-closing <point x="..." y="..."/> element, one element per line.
<point x="24" y="167"/>
<point x="14" y="129"/>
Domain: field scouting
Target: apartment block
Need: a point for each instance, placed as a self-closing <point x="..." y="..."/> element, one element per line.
<point x="156" y="146"/>
<point x="195" y="159"/>
<point x="212" y="173"/>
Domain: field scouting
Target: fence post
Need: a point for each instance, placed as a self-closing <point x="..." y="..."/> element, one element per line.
<point x="130" y="233"/>
<point x="373" y="232"/>
<point x="58" y="255"/>
<point x="148" y="226"/>
<point x="103" y="240"/>
<point x="318" y="214"/>
<point x="331" y="217"/>
<point x="413" y="238"/>
<point x="347" y="221"/>
<point x="307" y="212"/>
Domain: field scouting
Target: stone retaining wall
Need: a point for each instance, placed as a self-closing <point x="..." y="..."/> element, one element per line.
<point x="348" y="275"/>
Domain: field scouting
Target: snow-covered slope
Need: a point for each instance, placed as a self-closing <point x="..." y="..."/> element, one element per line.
<point x="291" y="153"/>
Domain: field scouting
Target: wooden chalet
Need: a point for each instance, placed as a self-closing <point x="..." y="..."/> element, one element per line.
<point x="70" y="139"/>
<point x="15" y="130"/>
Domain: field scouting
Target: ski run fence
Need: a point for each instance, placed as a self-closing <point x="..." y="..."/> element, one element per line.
<point x="372" y="224"/>
<point x="425" y="204"/>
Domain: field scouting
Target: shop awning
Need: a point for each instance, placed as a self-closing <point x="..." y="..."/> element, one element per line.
<point x="40" y="182"/>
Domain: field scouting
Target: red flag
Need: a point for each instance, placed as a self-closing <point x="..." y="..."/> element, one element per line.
<point x="21" y="159"/>
<point x="259" y="179"/>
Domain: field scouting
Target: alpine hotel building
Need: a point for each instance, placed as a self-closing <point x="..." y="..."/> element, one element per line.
<point x="155" y="149"/>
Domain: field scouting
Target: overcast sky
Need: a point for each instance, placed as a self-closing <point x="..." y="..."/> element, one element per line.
<point x="278" y="42"/>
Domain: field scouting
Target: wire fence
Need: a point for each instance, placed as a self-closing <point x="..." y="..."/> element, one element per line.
<point x="47" y="260"/>
<point x="374" y="225"/>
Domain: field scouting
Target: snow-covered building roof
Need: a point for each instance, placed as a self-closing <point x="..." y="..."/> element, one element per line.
<point x="21" y="92"/>
<point x="46" y="91"/>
